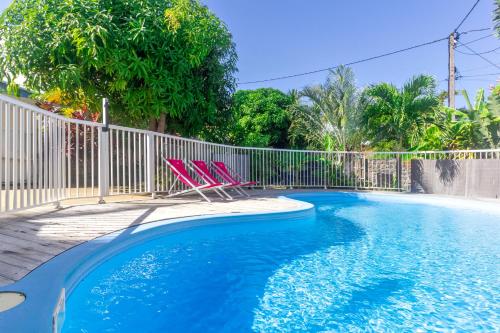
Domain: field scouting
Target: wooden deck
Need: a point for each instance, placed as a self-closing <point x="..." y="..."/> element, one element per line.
<point x="32" y="237"/>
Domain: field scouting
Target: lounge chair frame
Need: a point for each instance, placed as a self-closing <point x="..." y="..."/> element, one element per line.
<point x="189" y="180"/>
<point x="210" y="178"/>
<point x="232" y="177"/>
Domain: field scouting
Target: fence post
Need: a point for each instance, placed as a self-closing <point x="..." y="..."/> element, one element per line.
<point x="150" y="156"/>
<point x="103" y="153"/>
<point x="356" y="156"/>
<point x="399" y="172"/>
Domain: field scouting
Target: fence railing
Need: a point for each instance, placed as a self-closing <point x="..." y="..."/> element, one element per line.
<point x="47" y="158"/>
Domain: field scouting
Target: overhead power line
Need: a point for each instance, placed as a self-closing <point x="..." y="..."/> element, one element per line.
<point x="477" y="79"/>
<point x="479" y="75"/>
<point x="479" y="55"/>
<point x="477" y="40"/>
<point x="476" y="68"/>
<point x="474" y="30"/>
<point x="452" y="70"/>
<point x="384" y="54"/>
<point x="482" y="77"/>
<point x="466" y="16"/>
<point x="347" y="64"/>
<point x="484" y="52"/>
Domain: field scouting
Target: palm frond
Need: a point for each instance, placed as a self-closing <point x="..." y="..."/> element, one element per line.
<point x="335" y="105"/>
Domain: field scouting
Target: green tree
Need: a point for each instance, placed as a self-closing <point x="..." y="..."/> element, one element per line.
<point x="261" y="118"/>
<point x="397" y="118"/>
<point x="447" y="133"/>
<point x="473" y="127"/>
<point x="330" y="117"/>
<point x="494" y="101"/>
<point x="485" y="124"/>
<point x="302" y="131"/>
<point x="159" y="61"/>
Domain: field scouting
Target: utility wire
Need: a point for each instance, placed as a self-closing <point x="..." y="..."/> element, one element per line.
<point x="474" y="30"/>
<point x="479" y="75"/>
<point x="476" y="40"/>
<point x="479" y="55"/>
<point x="378" y="56"/>
<point x="470" y="78"/>
<point x="485" y="52"/>
<point x="474" y="79"/>
<point x="346" y="64"/>
<point x="476" y="68"/>
<point x="466" y="16"/>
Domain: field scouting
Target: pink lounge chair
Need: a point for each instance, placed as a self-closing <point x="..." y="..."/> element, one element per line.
<point x="182" y="175"/>
<point x="223" y="171"/>
<point x="203" y="171"/>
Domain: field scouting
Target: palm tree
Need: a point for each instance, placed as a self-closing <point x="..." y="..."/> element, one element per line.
<point x="328" y="119"/>
<point x="397" y="118"/>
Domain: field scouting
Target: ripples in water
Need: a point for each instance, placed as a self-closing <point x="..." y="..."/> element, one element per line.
<point x="359" y="265"/>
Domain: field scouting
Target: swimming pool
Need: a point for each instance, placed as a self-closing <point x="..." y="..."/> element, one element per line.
<point x="352" y="262"/>
<point x="360" y="262"/>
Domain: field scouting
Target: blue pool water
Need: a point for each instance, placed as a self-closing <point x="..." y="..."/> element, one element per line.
<point x="359" y="264"/>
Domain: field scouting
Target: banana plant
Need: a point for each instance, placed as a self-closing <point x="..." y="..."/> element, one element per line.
<point x="485" y="125"/>
<point x="473" y="127"/>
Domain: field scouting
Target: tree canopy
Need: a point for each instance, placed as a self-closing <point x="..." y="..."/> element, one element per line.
<point x="475" y="127"/>
<point x="397" y="118"/>
<point x="157" y="60"/>
<point x="330" y="118"/>
<point x="261" y="118"/>
<point x="169" y="65"/>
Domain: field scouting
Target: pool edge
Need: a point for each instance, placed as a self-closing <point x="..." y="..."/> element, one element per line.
<point x="43" y="285"/>
<point x="42" y="289"/>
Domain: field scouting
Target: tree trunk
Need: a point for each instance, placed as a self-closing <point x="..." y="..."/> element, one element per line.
<point x="158" y="125"/>
<point x="153" y="124"/>
<point x="162" y="122"/>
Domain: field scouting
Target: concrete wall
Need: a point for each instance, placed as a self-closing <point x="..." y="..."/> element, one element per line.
<point x="469" y="178"/>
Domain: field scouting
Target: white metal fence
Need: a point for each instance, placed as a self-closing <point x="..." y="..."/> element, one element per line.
<point x="46" y="158"/>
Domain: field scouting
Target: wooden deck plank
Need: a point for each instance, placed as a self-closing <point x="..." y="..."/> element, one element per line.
<point x="27" y="233"/>
<point x="16" y="259"/>
<point x="15" y="249"/>
<point x="41" y="246"/>
<point x="30" y="238"/>
<point x="35" y="239"/>
<point x="5" y="281"/>
<point x="14" y="272"/>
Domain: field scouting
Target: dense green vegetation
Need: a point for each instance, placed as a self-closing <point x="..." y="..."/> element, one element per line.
<point x="169" y="65"/>
<point x="396" y="119"/>
<point x="477" y="126"/>
<point x="329" y="118"/>
<point x="338" y="116"/>
<point x="158" y="61"/>
<point x="260" y="118"/>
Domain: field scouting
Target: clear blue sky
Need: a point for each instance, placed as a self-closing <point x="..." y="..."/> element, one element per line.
<point x="281" y="37"/>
